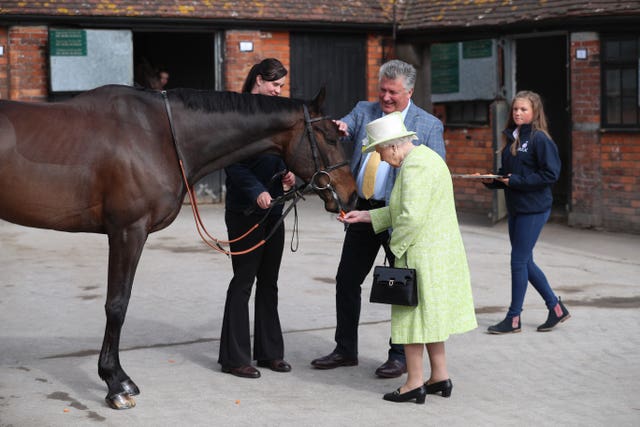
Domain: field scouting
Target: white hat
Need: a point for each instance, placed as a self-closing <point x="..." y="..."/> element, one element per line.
<point x="385" y="129"/>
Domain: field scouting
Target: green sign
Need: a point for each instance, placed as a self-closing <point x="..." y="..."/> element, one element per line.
<point x="68" y="43"/>
<point x="477" y="49"/>
<point x="445" y="68"/>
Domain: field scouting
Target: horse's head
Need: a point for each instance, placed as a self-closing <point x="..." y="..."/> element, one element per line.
<point x="324" y="165"/>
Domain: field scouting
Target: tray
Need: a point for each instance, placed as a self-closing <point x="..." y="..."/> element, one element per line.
<point x="473" y="176"/>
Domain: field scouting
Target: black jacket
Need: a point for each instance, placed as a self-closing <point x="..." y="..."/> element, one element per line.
<point x="248" y="178"/>
<point x="534" y="169"/>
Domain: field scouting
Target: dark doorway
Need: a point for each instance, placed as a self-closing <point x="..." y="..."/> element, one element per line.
<point x="541" y="66"/>
<point x="337" y="61"/>
<point x="188" y="57"/>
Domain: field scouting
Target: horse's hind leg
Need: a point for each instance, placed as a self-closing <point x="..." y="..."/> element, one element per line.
<point x="125" y="247"/>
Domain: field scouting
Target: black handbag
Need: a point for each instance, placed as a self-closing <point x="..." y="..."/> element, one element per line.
<point x="394" y="286"/>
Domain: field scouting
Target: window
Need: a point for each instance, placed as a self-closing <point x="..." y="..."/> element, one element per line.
<point x="83" y="59"/>
<point x="620" y="58"/>
<point x="467" y="113"/>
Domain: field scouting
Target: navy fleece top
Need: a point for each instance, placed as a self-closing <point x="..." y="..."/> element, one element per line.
<point x="248" y="178"/>
<point x="534" y="169"/>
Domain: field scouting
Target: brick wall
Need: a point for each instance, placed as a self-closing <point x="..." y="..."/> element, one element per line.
<point x="266" y="44"/>
<point x="4" y="63"/>
<point x="586" y="189"/>
<point x="605" y="191"/>
<point x="620" y="163"/>
<point x="27" y="64"/>
<point x="374" y="61"/>
<point x="470" y="150"/>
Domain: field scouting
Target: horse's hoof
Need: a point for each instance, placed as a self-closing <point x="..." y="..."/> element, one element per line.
<point x="121" y="401"/>
<point x="130" y="387"/>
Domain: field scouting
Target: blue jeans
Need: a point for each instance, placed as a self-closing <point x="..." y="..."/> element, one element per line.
<point x="524" y="230"/>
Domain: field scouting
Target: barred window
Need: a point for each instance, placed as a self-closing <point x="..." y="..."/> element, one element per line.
<point x="467" y="113"/>
<point x="620" y="56"/>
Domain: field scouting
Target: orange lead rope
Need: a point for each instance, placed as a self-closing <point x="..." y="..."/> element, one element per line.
<point x="204" y="234"/>
<point x="202" y="230"/>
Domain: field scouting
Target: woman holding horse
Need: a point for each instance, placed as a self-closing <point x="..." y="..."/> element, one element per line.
<point x="252" y="185"/>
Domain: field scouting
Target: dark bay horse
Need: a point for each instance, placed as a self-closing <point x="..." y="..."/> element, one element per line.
<point x="105" y="162"/>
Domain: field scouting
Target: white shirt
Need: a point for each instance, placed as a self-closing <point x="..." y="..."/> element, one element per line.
<point x="382" y="174"/>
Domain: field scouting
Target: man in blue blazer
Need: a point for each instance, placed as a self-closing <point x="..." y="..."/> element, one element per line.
<point x="361" y="244"/>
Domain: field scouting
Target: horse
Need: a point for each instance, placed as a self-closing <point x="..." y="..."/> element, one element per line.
<point x="119" y="160"/>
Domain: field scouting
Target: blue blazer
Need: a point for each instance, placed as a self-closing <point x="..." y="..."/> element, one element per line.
<point x="428" y="129"/>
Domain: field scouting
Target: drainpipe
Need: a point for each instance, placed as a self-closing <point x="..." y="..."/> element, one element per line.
<point x="394" y="23"/>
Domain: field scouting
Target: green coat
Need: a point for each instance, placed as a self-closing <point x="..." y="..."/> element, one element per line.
<point x="425" y="236"/>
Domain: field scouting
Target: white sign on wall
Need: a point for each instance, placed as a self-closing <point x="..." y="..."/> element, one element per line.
<point x="85" y="59"/>
<point x="464" y="71"/>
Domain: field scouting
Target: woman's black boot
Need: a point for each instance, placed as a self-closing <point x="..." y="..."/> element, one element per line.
<point x="556" y="315"/>
<point x="509" y="325"/>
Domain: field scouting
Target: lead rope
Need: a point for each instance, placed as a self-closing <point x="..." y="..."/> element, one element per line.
<point x="202" y="230"/>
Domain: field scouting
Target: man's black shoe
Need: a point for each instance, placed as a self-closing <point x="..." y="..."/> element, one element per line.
<point x="391" y="369"/>
<point x="333" y="360"/>
<point x="245" y="371"/>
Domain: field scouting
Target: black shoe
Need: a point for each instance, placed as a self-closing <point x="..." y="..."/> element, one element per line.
<point x="245" y="371"/>
<point x="391" y="369"/>
<point x="443" y="387"/>
<point x="510" y="325"/>
<point x="333" y="360"/>
<point x="419" y="394"/>
<point x="277" y="365"/>
<point x="553" y="319"/>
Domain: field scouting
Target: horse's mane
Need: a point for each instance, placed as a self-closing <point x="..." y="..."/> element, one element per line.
<point x="213" y="101"/>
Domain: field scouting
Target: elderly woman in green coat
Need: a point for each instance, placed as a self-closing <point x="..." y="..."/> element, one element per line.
<point x="425" y="236"/>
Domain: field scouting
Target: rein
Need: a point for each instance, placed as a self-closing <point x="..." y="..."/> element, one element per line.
<point x="202" y="231"/>
<point x="295" y="195"/>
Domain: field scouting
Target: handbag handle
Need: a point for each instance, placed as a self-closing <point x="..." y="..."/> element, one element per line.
<point x="387" y="253"/>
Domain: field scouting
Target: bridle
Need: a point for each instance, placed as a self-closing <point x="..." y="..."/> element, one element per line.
<point x="315" y="181"/>
<point x="295" y="194"/>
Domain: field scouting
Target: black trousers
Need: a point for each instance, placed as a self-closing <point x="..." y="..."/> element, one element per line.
<point x="359" y="252"/>
<point x="262" y="266"/>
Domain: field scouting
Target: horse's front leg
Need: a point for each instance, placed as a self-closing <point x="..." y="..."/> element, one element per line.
<point x="125" y="247"/>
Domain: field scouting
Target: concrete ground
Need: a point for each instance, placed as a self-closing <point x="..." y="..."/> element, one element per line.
<point x="52" y="289"/>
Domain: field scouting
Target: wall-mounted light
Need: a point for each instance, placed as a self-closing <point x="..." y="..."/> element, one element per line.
<point x="246" y="46"/>
<point x="581" y="53"/>
<point x="1" y="50"/>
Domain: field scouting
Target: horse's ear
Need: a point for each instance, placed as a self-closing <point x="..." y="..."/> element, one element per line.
<point x="318" y="100"/>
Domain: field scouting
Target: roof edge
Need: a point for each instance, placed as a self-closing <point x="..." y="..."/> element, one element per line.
<point x="194" y="23"/>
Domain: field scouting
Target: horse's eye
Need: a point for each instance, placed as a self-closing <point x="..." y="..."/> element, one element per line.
<point x="331" y="141"/>
<point x="330" y="137"/>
